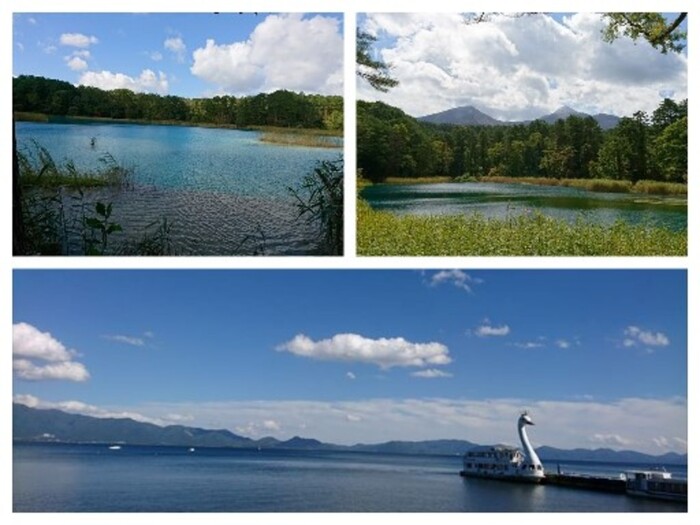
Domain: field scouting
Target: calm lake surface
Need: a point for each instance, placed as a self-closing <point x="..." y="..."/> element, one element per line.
<point x="503" y="200"/>
<point x="223" y="191"/>
<point x="92" y="478"/>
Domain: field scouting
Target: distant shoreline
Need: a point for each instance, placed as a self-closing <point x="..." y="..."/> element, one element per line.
<point x="23" y="116"/>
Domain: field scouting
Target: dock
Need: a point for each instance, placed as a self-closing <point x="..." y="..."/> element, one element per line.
<point x="579" y="481"/>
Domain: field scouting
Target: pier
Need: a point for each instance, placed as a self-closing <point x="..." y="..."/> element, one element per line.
<point x="579" y="481"/>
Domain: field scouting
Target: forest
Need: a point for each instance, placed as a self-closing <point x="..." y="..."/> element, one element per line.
<point x="391" y="143"/>
<point x="33" y="94"/>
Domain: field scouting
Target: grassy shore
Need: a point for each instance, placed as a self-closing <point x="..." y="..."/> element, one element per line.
<point x="600" y="185"/>
<point x="385" y="234"/>
<point x="299" y="138"/>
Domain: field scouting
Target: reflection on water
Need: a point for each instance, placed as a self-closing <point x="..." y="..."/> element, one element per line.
<point x="504" y="200"/>
<point x="223" y="192"/>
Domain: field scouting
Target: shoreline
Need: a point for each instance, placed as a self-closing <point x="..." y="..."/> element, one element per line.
<point x="642" y="187"/>
<point x="21" y="116"/>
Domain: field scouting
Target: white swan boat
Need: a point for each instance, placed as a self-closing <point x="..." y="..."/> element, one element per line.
<point x="503" y="462"/>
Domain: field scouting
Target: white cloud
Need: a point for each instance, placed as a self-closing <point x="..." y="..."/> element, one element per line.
<point x="457" y="278"/>
<point x="635" y="336"/>
<point x="30" y="342"/>
<point x="350" y="375"/>
<point x="613" y="440"/>
<point x="147" y="82"/>
<point x="77" y="40"/>
<point x="529" y="345"/>
<point x="486" y="330"/>
<point x="65" y="370"/>
<point x="519" y="68"/>
<point x="20" y="46"/>
<point x="156" y="56"/>
<point x="77" y="64"/>
<point x="383" y="352"/>
<point x="29" y="345"/>
<point x="283" y="52"/>
<point x="126" y="339"/>
<point x="177" y="46"/>
<point x="31" y="20"/>
<point x="562" y="343"/>
<point x="431" y="373"/>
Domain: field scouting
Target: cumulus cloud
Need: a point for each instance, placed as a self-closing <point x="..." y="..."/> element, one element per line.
<point x="562" y="343"/>
<point x="147" y="82"/>
<point x="176" y="45"/>
<point x="519" y="68"/>
<point x="635" y="336"/>
<point x="350" y="375"/>
<point x="431" y="373"/>
<point x="383" y="352"/>
<point x="65" y="370"/>
<point x="487" y="330"/>
<point x="28" y="341"/>
<point x="77" y="40"/>
<point x="283" y="52"/>
<point x="39" y="356"/>
<point x="457" y="278"/>
<point x="76" y="64"/>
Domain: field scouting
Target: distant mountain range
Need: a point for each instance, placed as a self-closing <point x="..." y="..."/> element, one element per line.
<point x="471" y="116"/>
<point x="54" y="426"/>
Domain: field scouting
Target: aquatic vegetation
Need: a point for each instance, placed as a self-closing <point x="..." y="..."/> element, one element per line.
<point x="600" y="185"/>
<point x="297" y="138"/>
<point x="383" y="233"/>
<point x="319" y="200"/>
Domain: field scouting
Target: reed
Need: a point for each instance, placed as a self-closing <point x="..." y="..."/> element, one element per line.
<point x="385" y="234"/>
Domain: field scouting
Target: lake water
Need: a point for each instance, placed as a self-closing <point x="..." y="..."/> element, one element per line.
<point x="92" y="478"/>
<point x="503" y="200"/>
<point x="224" y="191"/>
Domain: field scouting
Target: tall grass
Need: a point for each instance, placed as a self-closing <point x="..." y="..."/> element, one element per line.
<point x="37" y="168"/>
<point x="59" y="218"/>
<point x="292" y="138"/>
<point x="385" y="234"/>
<point x="599" y="185"/>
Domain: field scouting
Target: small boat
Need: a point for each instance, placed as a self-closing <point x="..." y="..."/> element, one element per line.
<point x="503" y="462"/>
<point x="657" y="484"/>
<point x="115" y="447"/>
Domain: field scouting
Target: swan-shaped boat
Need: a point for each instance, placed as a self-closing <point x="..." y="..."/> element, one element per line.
<point x="503" y="462"/>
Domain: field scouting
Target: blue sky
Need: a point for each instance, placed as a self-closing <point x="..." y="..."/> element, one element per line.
<point x="358" y="355"/>
<point x="517" y="68"/>
<point x="191" y="55"/>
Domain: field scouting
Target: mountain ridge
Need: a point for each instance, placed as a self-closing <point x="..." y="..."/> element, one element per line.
<point x="55" y="426"/>
<point x="472" y="116"/>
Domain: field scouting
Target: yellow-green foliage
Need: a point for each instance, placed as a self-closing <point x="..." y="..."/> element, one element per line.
<point x="383" y="233"/>
<point x="417" y="180"/>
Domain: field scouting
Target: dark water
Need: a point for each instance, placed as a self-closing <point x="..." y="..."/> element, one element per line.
<point x="224" y="192"/>
<point x="92" y="478"/>
<point x="503" y="200"/>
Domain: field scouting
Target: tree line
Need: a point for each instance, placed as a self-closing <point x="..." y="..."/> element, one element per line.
<point x="642" y="147"/>
<point x="280" y="108"/>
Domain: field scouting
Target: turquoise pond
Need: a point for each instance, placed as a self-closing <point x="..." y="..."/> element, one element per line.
<point x="503" y="200"/>
<point x="218" y="188"/>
